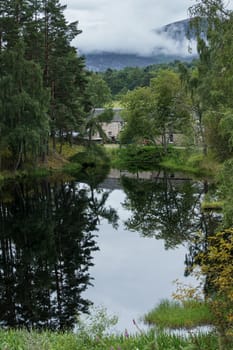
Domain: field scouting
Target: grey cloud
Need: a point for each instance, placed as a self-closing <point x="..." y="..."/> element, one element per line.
<point x="83" y="4"/>
<point x="126" y="26"/>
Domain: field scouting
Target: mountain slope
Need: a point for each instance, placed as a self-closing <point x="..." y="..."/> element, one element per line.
<point x="175" y="47"/>
<point x="100" y="62"/>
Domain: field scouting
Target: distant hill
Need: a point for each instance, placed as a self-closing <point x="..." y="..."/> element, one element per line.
<point x="178" y="31"/>
<point x="174" y="32"/>
<point x="100" y="62"/>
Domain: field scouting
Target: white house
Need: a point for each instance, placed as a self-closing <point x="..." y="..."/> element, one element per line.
<point x="113" y="128"/>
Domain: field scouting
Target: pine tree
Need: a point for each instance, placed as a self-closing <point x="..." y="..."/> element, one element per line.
<point x="64" y="72"/>
<point x="43" y="87"/>
<point x="24" y="104"/>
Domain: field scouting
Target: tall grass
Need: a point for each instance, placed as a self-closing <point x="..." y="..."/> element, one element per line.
<point x="181" y="160"/>
<point x="94" y="332"/>
<point x="177" y="315"/>
<point x="24" y="340"/>
<point x="190" y="161"/>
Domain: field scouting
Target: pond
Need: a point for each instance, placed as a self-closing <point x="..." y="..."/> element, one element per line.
<point x="119" y="243"/>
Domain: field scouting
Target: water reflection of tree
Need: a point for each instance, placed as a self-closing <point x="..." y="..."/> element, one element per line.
<point x="163" y="208"/>
<point x="47" y="240"/>
<point x="209" y="223"/>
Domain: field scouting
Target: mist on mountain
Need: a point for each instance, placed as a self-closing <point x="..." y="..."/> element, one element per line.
<point x="171" y="42"/>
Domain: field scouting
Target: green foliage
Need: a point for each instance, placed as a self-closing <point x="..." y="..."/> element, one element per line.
<point x="43" y="80"/>
<point x="213" y="94"/>
<point x="138" y="114"/>
<point x="95" y="333"/>
<point x="130" y="78"/>
<point x="92" y="165"/>
<point x="192" y="342"/>
<point x="214" y="206"/>
<point x="24" y="99"/>
<point x="91" y="155"/>
<point x="23" y="340"/>
<point x="172" y="112"/>
<point x="195" y="160"/>
<point x="136" y="158"/>
<point x="98" y="91"/>
<point x="181" y="160"/>
<point x="186" y="314"/>
<point x="153" y="112"/>
<point x="1" y="178"/>
<point x="216" y="265"/>
<point x="96" y="324"/>
<point x="72" y="169"/>
<point x="161" y="210"/>
<point x="218" y="135"/>
<point x="226" y="190"/>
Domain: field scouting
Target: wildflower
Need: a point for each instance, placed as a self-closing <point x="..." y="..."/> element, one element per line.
<point x="126" y="333"/>
<point x="136" y="325"/>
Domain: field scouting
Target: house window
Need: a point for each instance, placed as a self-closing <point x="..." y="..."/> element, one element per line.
<point x="171" y="138"/>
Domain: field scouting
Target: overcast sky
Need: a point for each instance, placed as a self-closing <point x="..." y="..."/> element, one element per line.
<point x="125" y="25"/>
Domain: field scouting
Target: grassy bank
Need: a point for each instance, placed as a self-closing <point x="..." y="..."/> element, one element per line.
<point x="135" y="158"/>
<point x="192" y="162"/>
<point x="97" y="334"/>
<point x="132" y="158"/>
<point x="74" y="161"/>
<point x="176" y="315"/>
<point x="23" y="340"/>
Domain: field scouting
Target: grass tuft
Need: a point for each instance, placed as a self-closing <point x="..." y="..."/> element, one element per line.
<point x="177" y="315"/>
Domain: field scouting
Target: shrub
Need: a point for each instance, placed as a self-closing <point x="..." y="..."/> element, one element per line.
<point x="135" y="158"/>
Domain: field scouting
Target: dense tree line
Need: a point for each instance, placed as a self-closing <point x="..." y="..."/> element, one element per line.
<point x="42" y="82"/>
<point x="129" y="78"/>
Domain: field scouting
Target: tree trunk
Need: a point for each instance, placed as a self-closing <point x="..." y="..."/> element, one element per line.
<point x="53" y="115"/>
<point x="202" y="132"/>
<point x="19" y="156"/>
<point x="61" y="142"/>
<point x="164" y="142"/>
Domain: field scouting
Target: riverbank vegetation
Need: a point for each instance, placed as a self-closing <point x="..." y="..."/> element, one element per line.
<point x="187" y="314"/>
<point x="96" y="333"/>
<point x="23" y="340"/>
<point x="177" y="159"/>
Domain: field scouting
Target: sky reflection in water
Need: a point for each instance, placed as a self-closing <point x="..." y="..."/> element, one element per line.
<point x="132" y="273"/>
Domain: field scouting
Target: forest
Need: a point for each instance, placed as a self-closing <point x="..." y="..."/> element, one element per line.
<point x="43" y="80"/>
<point x="46" y="92"/>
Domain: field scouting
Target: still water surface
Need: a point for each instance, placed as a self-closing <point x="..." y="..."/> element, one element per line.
<point x="132" y="273"/>
<point x="64" y="244"/>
